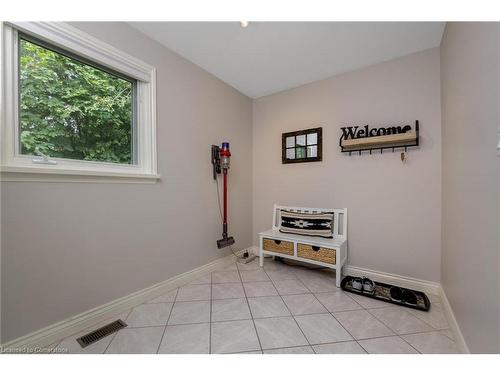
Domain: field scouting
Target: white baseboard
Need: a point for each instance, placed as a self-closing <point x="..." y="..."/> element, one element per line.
<point x="389" y="278"/>
<point x="454" y="327"/>
<point x="58" y="331"/>
<point x="429" y="287"/>
<point x="77" y="323"/>
<point x="384" y="277"/>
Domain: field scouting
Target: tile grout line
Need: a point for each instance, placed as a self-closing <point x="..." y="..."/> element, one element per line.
<point x="446" y="329"/>
<point x="337" y="291"/>
<point x="432" y="329"/>
<point x="215" y="321"/>
<point x="249" y="309"/>
<point x="166" y="323"/>
<point x="331" y="314"/>
<point x="110" y="341"/>
<point x="59" y="342"/>
<point x="396" y="334"/>
<point x="385" y="325"/>
<point x="295" y="320"/>
<point x="437" y="330"/>
<point x="361" y="346"/>
<point x="145" y="303"/>
<point x="243" y="352"/>
<point x="412" y="313"/>
<point x="362" y="308"/>
<point x="341" y="342"/>
<point x="408" y="310"/>
<point x="416" y="333"/>
<point x="402" y="338"/>
<point x="327" y="311"/>
<point x="291" y="347"/>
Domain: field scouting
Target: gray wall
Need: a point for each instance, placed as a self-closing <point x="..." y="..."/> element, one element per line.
<point x="394" y="209"/>
<point x="470" y="77"/>
<point x="69" y="247"/>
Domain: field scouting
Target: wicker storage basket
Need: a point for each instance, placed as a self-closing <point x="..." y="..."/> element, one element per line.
<point x="277" y="246"/>
<point x="320" y="254"/>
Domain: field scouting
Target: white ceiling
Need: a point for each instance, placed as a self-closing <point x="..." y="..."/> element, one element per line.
<point x="267" y="57"/>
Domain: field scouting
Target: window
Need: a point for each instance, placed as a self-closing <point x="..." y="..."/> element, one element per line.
<point x="74" y="106"/>
<point x="302" y="146"/>
<point x="72" y="110"/>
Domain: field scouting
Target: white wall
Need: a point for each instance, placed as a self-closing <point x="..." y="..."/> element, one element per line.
<point x="394" y="208"/>
<point x="69" y="247"/>
<point x="470" y="77"/>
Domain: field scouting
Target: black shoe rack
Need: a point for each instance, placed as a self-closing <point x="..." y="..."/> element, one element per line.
<point x="391" y="294"/>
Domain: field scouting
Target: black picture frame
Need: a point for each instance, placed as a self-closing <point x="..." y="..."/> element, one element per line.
<point x="300" y="151"/>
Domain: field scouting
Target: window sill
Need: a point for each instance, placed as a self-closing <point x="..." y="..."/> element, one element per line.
<point x="30" y="174"/>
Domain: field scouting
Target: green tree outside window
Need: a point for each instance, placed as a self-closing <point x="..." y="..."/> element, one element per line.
<point x="69" y="109"/>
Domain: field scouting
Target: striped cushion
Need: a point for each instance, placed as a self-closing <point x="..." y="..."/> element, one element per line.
<point x="307" y="224"/>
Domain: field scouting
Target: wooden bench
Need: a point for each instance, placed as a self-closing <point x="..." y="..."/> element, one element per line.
<point x="326" y="252"/>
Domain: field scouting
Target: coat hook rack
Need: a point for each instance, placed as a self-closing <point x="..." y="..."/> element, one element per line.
<point x="359" y="139"/>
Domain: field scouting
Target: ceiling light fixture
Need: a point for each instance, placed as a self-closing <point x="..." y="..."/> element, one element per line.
<point x="244" y="24"/>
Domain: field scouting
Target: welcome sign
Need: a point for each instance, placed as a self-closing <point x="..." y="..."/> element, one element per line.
<point x="351" y="132"/>
<point x="360" y="138"/>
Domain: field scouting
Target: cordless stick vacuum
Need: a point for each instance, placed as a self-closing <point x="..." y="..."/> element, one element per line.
<point x="220" y="164"/>
<point x="220" y="161"/>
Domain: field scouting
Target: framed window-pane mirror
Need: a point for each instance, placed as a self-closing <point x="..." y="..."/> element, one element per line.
<point x="302" y="146"/>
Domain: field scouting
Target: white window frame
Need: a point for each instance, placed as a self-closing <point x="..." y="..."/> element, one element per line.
<point x="18" y="167"/>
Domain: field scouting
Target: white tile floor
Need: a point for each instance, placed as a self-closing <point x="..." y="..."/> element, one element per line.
<point x="276" y="309"/>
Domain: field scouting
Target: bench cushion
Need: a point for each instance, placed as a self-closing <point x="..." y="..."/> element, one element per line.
<point x="307" y="224"/>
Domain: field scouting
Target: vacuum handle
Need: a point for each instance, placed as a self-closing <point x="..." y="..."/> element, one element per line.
<point x="225" y="196"/>
<point x="216" y="161"/>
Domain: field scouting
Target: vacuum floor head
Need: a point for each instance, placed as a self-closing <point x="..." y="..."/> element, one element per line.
<point x="225" y="242"/>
